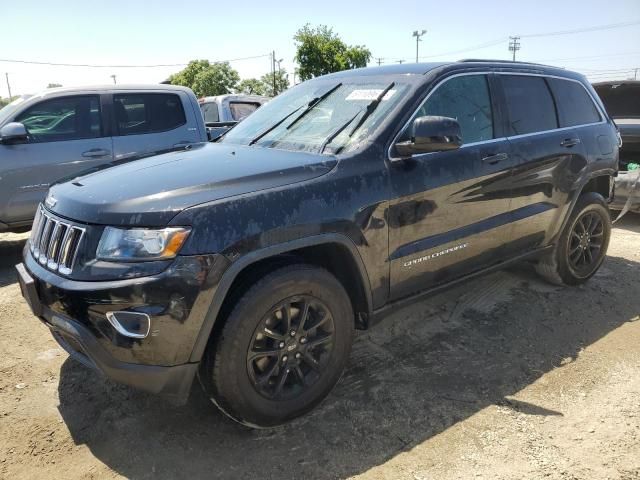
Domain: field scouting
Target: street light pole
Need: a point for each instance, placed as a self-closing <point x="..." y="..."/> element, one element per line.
<point x="114" y="79"/>
<point x="8" y="85"/>
<point x="418" y="34"/>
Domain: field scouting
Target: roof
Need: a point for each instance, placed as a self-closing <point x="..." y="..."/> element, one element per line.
<point x="101" y="88"/>
<point x="424" y="68"/>
<point x="235" y="97"/>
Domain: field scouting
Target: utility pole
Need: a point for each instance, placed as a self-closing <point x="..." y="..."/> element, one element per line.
<point x="514" y="45"/>
<point x="379" y="60"/>
<point x="114" y="79"/>
<point x="279" y="70"/>
<point x="635" y="73"/>
<point x="418" y="34"/>
<point x="8" y="85"/>
<point x="400" y="62"/>
<point x="273" y="71"/>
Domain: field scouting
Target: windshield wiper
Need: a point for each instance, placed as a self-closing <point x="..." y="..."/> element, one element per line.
<point x="274" y="126"/>
<point x="338" y="131"/>
<point x="373" y="104"/>
<point x="312" y="104"/>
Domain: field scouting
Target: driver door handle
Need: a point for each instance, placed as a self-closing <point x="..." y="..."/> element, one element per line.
<point x="96" y="152"/>
<point x="183" y="145"/>
<point x="493" y="159"/>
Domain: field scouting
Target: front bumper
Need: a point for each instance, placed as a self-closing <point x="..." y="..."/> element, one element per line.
<point x="176" y="301"/>
<point x="627" y="186"/>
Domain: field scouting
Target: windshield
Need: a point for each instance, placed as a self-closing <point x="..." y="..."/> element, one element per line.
<point x="8" y="110"/>
<point x="341" y="104"/>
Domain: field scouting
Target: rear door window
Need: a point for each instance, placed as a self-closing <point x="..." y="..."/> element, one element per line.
<point x="65" y="118"/>
<point x="241" y="110"/>
<point x="575" y="106"/>
<point x="138" y="114"/>
<point x="529" y="104"/>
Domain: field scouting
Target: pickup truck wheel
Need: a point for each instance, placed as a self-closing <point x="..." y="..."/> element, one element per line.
<point x="282" y="349"/>
<point x="583" y="244"/>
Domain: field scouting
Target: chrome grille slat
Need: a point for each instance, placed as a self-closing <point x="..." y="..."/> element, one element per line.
<point x="55" y="243"/>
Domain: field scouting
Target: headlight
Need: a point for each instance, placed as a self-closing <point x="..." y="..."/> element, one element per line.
<point x="140" y="244"/>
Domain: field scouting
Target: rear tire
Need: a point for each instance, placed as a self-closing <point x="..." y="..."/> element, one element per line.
<point x="583" y="244"/>
<point x="282" y="348"/>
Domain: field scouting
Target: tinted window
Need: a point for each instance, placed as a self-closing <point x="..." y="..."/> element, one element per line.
<point x="622" y="100"/>
<point x="241" y="110"/>
<point x="529" y="104"/>
<point x="147" y="113"/>
<point x="575" y="106"/>
<point x="210" y="112"/>
<point x="466" y="99"/>
<point x="66" y="118"/>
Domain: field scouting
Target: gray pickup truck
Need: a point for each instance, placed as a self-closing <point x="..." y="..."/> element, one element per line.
<point x="222" y="112"/>
<point x="64" y="132"/>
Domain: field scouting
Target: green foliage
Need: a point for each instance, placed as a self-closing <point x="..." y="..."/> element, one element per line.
<point x="207" y="79"/>
<point x="320" y="51"/>
<point x="282" y="82"/>
<point x="251" y="86"/>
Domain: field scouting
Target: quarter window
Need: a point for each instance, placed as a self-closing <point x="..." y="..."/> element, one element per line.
<point x="465" y="98"/>
<point x="575" y="106"/>
<point x="66" y="118"/>
<point x="529" y="104"/>
<point x="137" y="114"/>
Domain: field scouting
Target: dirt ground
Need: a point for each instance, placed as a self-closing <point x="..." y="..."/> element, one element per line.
<point x="505" y="377"/>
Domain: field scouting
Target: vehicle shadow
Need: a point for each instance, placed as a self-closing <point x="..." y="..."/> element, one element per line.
<point x="417" y="373"/>
<point x="10" y="253"/>
<point x="630" y="222"/>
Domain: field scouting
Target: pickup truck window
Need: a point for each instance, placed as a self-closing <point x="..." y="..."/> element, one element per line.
<point x="241" y="110"/>
<point x="65" y="118"/>
<point x="138" y="114"/>
<point x="210" y="112"/>
<point x="529" y="104"/>
<point x="465" y="98"/>
<point x="345" y="104"/>
<point x="575" y="106"/>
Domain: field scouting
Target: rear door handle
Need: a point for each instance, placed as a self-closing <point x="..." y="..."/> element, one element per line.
<point x="96" y="152"/>
<point x="183" y="145"/>
<point x="570" y="142"/>
<point x="493" y="159"/>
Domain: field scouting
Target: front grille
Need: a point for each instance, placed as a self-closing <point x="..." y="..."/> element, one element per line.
<point x="54" y="243"/>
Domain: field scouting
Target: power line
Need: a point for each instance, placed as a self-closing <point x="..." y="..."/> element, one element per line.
<point x="54" y="64"/>
<point x="582" y="30"/>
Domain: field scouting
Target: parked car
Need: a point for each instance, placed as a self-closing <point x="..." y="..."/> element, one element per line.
<point x="63" y="132"/>
<point x="622" y="101"/>
<point x="224" y="111"/>
<point x="340" y="200"/>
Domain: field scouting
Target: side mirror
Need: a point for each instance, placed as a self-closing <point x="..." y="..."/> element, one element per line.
<point x="431" y="134"/>
<point x="13" y="133"/>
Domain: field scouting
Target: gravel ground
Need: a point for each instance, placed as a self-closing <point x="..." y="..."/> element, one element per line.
<point x="504" y="377"/>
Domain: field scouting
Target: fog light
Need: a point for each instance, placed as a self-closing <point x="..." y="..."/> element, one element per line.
<point x="130" y="324"/>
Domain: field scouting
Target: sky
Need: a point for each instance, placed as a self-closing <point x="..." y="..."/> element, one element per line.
<point x="162" y="32"/>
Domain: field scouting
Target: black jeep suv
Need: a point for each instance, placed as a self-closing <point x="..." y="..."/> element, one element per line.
<point x="249" y="262"/>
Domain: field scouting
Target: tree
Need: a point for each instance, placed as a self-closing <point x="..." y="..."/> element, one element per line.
<point x="252" y="86"/>
<point x="54" y="85"/>
<point x="282" y="82"/>
<point x="207" y="79"/>
<point x="320" y="51"/>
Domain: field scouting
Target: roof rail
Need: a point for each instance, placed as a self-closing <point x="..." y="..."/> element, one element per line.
<point x="488" y="60"/>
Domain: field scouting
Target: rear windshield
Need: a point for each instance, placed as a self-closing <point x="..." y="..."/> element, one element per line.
<point x="621" y="100"/>
<point x="241" y="110"/>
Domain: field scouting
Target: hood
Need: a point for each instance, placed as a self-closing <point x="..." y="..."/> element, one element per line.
<point x="151" y="191"/>
<point x="621" y="99"/>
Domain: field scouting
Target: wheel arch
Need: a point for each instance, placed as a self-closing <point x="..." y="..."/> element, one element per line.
<point x="318" y="250"/>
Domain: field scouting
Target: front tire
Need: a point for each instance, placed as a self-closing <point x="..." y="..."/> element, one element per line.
<point x="583" y="244"/>
<point x="282" y="349"/>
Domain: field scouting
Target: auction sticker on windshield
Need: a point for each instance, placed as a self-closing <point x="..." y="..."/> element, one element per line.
<point x="369" y="94"/>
